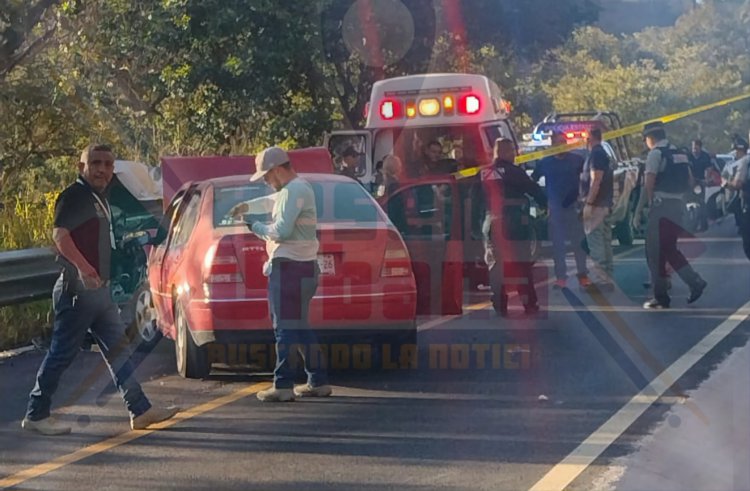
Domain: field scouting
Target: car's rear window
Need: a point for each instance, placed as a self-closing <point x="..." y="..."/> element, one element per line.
<point x="336" y="202"/>
<point x="344" y="202"/>
<point x="225" y="198"/>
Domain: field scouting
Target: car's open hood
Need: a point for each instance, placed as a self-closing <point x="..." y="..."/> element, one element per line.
<point x="142" y="181"/>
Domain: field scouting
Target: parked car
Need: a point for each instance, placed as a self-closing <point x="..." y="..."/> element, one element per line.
<point x="206" y="277"/>
<point x="136" y="201"/>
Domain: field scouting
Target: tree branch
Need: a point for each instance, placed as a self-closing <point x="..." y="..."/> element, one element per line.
<point x="31" y="50"/>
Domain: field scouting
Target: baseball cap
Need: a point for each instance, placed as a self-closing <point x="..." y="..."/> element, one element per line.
<point x="740" y="144"/>
<point x="651" y="127"/>
<point x="268" y="159"/>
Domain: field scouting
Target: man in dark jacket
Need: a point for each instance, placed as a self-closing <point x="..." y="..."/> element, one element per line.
<point x="501" y="200"/>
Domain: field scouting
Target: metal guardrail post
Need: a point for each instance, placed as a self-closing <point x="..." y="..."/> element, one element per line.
<point x="27" y="275"/>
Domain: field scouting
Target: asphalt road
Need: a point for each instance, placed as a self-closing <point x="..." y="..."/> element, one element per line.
<point x="546" y="385"/>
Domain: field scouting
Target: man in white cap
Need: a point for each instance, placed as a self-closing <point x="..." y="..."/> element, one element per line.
<point x="292" y="270"/>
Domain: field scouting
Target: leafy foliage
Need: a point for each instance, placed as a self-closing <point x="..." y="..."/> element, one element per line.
<point x="659" y="71"/>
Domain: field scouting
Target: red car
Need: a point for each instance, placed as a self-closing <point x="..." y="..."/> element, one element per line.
<point x="206" y="274"/>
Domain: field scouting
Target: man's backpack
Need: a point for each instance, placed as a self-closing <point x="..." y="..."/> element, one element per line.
<point x="675" y="178"/>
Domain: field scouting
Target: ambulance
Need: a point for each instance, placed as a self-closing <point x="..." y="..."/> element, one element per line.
<point x="436" y="124"/>
<point x="464" y="113"/>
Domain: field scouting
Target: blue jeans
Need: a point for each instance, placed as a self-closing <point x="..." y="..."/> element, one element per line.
<point x="565" y="225"/>
<point x="75" y="315"/>
<point x="291" y="287"/>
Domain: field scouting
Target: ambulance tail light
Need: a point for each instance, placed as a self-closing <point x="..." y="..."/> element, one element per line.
<point x="411" y="109"/>
<point x="470" y="104"/>
<point x="390" y="109"/>
<point x="448" y="104"/>
<point x="429" y="107"/>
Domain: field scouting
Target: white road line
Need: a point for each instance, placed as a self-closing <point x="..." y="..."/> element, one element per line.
<point x="564" y="473"/>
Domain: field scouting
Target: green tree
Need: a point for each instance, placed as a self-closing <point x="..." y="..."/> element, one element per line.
<point x="659" y="71"/>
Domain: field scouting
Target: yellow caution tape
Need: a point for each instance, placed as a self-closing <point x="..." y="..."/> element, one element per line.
<point x="609" y="135"/>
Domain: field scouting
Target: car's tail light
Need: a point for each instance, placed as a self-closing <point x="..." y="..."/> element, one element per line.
<point x="220" y="264"/>
<point x="396" y="261"/>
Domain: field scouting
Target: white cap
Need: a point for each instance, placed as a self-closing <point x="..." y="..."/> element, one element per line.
<point x="268" y="159"/>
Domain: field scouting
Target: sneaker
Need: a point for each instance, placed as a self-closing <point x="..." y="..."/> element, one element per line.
<point x="308" y="390"/>
<point x="559" y="284"/>
<point x="697" y="291"/>
<point x="276" y="395"/>
<point x="584" y="282"/>
<point x="654" y="304"/>
<point x="152" y="416"/>
<point x="48" y="426"/>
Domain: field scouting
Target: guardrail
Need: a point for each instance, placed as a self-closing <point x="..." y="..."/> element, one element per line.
<point x="27" y="275"/>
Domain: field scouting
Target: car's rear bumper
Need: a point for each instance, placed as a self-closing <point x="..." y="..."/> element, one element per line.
<point x="249" y="317"/>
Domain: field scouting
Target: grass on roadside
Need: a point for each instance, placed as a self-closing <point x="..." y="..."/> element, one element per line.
<point x="19" y="324"/>
<point x="24" y="225"/>
<point x="27" y="224"/>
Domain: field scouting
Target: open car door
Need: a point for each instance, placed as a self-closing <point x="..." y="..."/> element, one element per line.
<point x="427" y="213"/>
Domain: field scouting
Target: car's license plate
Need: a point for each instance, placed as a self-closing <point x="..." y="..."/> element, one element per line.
<point x="326" y="264"/>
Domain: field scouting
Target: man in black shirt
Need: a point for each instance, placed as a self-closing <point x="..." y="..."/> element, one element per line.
<point x="501" y="201"/>
<point x="597" y="191"/>
<point x="81" y="298"/>
<point x="700" y="160"/>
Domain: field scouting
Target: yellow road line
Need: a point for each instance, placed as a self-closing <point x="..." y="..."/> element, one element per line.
<point x="116" y="441"/>
<point x="626" y="131"/>
<point x="564" y="473"/>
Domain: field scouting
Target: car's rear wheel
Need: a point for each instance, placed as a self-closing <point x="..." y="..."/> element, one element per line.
<point x="192" y="360"/>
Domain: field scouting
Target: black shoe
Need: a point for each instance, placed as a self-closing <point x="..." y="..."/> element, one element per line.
<point x="654" y="304"/>
<point x="697" y="290"/>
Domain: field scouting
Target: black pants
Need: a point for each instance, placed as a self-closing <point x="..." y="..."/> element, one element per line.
<point x="745" y="228"/>
<point x="510" y="267"/>
<point x="663" y="231"/>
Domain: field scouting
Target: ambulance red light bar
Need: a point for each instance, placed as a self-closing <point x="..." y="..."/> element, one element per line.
<point x="390" y="109"/>
<point x="470" y="104"/>
<point x="572" y="135"/>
